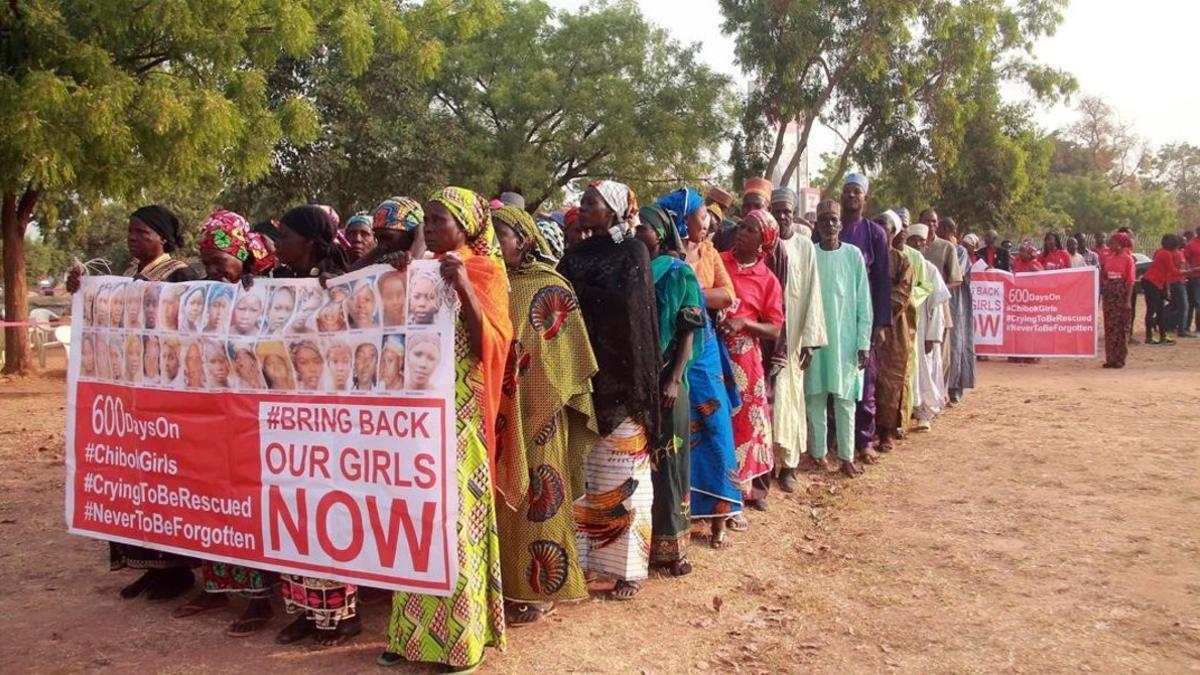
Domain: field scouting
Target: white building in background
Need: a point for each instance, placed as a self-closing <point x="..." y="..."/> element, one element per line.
<point x="808" y="196"/>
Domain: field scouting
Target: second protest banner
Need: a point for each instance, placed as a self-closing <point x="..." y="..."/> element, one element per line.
<point x="285" y="427"/>
<point x="1036" y="314"/>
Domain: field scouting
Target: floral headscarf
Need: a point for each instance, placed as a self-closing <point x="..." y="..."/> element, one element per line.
<point x="554" y="236"/>
<point x="229" y="233"/>
<point x="770" y="230"/>
<point x="473" y="215"/>
<point x="398" y="213"/>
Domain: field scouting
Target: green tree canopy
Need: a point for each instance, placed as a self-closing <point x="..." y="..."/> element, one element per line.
<point x="546" y="98"/>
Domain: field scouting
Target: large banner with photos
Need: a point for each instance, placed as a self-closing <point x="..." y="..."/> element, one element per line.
<point x="284" y="426"/>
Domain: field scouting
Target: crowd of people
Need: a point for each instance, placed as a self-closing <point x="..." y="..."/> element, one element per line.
<point x="626" y="375"/>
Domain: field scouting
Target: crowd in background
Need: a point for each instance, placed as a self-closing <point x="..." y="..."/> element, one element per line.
<point x="632" y="377"/>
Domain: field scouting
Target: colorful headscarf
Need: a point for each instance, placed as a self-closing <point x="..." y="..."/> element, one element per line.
<point x="331" y="212"/>
<point x="770" y="230"/>
<point x="398" y="213"/>
<point x="554" y="236"/>
<point x="473" y="215"/>
<point x="359" y="219"/>
<point x="665" y="225"/>
<point x="229" y="233"/>
<point x="522" y="223"/>
<point x="682" y="203"/>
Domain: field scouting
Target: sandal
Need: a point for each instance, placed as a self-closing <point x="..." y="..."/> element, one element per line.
<point x="346" y="629"/>
<point x="257" y="614"/>
<point x="296" y="631"/>
<point x="717" y="541"/>
<point x="737" y="523"/>
<point x="681" y="568"/>
<point x="625" y="590"/>
<point x="140" y="585"/>
<point x="205" y="602"/>
<point x="526" y="613"/>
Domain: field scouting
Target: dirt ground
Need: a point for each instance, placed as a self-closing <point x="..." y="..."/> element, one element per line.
<point x="1051" y="523"/>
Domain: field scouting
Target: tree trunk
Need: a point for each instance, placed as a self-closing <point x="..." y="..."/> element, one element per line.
<point x="810" y="116"/>
<point x="14" y="218"/>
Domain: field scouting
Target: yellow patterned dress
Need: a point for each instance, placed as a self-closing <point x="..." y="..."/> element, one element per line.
<point x="547" y="426"/>
<point x="455" y="630"/>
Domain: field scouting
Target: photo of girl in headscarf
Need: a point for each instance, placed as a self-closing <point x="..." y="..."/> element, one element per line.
<point x="391" y="363"/>
<point x="89" y="301"/>
<point x="191" y="310"/>
<point x="168" y="306"/>
<point x="100" y="306"/>
<point x="116" y="305"/>
<point x="364" y="306"/>
<point x="103" y="363"/>
<point x="216" y="364"/>
<point x="279" y="310"/>
<point x="150" y="360"/>
<point x="150" y="292"/>
<point x="332" y="317"/>
<point x="276" y="366"/>
<point x="366" y="357"/>
<point x="247" y="312"/>
<point x="424" y="356"/>
<point x="171" y="361"/>
<point x="308" y="302"/>
<point x="193" y="364"/>
<point x="87" y="356"/>
<point x="341" y="364"/>
<point x="116" y="358"/>
<point x="309" y="364"/>
<point x="133" y="305"/>
<point x="392" y="290"/>
<point x="424" y="289"/>
<point x="220" y="302"/>
<point x="247" y="372"/>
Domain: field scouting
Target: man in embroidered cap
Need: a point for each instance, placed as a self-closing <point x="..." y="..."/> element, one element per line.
<point x="870" y="239"/>
<point x="756" y="195"/>
<point x="803" y="332"/>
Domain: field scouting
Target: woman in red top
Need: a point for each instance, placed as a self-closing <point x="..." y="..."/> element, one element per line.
<point x="1053" y="256"/>
<point x="1027" y="259"/>
<point x="1116" y="289"/>
<point x="757" y="315"/>
<point x="1156" y="283"/>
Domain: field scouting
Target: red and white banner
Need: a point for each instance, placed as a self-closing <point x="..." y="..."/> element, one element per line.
<point x="1036" y="314"/>
<point x="284" y="427"/>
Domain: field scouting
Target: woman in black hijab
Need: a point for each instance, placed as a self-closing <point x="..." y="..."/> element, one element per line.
<point x="306" y="245"/>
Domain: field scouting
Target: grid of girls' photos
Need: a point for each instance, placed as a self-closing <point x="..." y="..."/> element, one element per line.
<point x="372" y="331"/>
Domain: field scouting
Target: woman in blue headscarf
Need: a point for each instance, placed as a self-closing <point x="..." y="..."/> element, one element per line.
<point x="712" y="392"/>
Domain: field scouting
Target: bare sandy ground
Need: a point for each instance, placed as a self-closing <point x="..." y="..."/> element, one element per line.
<point x="1049" y="524"/>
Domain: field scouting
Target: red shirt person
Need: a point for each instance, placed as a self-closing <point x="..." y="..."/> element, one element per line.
<point x="1053" y="255"/>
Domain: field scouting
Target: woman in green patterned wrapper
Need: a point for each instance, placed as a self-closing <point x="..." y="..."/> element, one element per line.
<point x="680" y="314"/>
<point x="547" y="425"/>
<point x="454" y="630"/>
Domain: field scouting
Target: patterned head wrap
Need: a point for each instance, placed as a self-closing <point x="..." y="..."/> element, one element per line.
<point x="681" y="204"/>
<point x="522" y="223"/>
<point x="971" y="239"/>
<point x="770" y="230"/>
<point x="229" y="233"/>
<point x="331" y="212"/>
<point x="553" y="235"/>
<point x="475" y="218"/>
<point x="398" y="213"/>
<point x="664" y="224"/>
<point x="359" y="219"/>
<point x="622" y="201"/>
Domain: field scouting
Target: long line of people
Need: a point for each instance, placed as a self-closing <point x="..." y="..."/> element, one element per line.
<point x="625" y="375"/>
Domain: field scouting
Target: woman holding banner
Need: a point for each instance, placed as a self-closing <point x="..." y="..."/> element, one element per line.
<point x="327" y="608"/>
<point x="454" y="630"/>
<point x="154" y="233"/>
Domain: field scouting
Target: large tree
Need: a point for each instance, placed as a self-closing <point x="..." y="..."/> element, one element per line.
<point x="546" y="98"/>
<point x="123" y="98"/>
